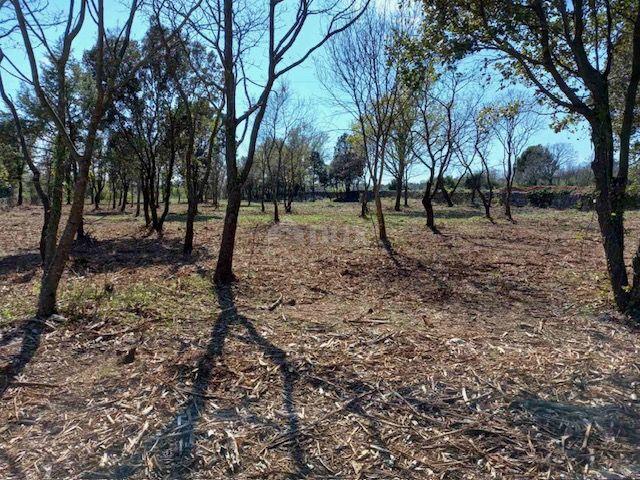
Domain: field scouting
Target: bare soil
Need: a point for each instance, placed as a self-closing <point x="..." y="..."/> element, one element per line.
<point x="490" y="351"/>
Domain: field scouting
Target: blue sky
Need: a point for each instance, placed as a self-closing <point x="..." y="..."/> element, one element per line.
<point x="303" y="82"/>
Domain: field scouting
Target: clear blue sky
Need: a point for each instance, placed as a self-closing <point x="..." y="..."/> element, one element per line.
<point x="303" y="81"/>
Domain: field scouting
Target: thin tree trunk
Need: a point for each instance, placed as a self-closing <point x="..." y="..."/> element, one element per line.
<point x="56" y="198"/>
<point x="55" y="263"/>
<point x="276" y="214"/>
<point x="138" y="198"/>
<point x="125" y="195"/>
<point x="507" y="203"/>
<point x="486" y="202"/>
<point x="382" y="229"/>
<point x="427" y="203"/>
<point x="446" y="195"/>
<point x="364" y="200"/>
<point x="406" y="191"/>
<point x="396" y="207"/>
<point x="20" y="194"/>
<point x="224" y="266"/>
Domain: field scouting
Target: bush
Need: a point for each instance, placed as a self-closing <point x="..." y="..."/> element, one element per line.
<point x="545" y="198"/>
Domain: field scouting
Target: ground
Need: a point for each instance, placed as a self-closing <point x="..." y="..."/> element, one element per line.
<point x="489" y="351"/>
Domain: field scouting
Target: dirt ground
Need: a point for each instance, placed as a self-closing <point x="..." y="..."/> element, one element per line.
<point x="489" y="351"/>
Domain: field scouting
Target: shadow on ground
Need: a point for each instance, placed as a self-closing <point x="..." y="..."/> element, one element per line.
<point x="178" y="437"/>
<point x="101" y="256"/>
<point x="30" y="332"/>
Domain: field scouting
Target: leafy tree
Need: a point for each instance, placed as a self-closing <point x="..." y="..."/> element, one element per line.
<point x="536" y="165"/>
<point x="347" y="165"/>
<point x="12" y="161"/>
<point x="318" y="170"/>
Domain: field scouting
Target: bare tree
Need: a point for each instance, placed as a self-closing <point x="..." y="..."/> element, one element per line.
<point x="478" y="152"/>
<point x="401" y="144"/>
<point x="442" y="120"/>
<point x="563" y="156"/>
<point x="281" y="119"/>
<point x="26" y="154"/>
<point x="368" y="85"/>
<point x="235" y="31"/>
<point x="514" y="122"/>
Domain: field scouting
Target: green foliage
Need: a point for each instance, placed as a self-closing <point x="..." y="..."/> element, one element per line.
<point x="536" y="165"/>
<point x="347" y="165"/>
<point x="544" y="198"/>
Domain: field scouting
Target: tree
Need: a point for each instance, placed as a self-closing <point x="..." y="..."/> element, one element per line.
<point x="347" y="165"/>
<point x="318" y="171"/>
<point x="368" y="86"/>
<point x="283" y="118"/>
<point x="482" y="136"/>
<point x="401" y="144"/>
<point x="192" y="73"/>
<point x="25" y="151"/>
<point x="567" y="52"/>
<point x="513" y="122"/>
<point x="10" y="157"/>
<point x="147" y="115"/>
<point x="235" y="31"/>
<point x="108" y="59"/>
<point x="443" y="117"/>
<point x="536" y="165"/>
<point x="563" y="156"/>
<point x="303" y="140"/>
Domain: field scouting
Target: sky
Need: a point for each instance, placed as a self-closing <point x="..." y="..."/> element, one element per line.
<point x="303" y="81"/>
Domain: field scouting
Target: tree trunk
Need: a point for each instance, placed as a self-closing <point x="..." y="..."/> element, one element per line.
<point x="382" y="229"/>
<point x="275" y="193"/>
<point x="81" y="235"/>
<point x="406" y="192"/>
<point x="288" y="202"/>
<point x="507" y="203"/>
<point x="97" y="198"/>
<point x="57" y="171"/>
<point x="55" y="263"/>
<point x="446" y="195"/>
<point x="486" y="203"/>
<point x="610" y="210"/>
<point x="276" y="214"/>
<point x="427" y="203"/>
<point x="125" y="195"/>
<point x="398" y="193"/>
<point x="137" y="198"/>
<point x="364" y="201"/>
<point x="146" y="206"/>
<point x="192" y="210"/>
<point x="224" y="267"/>
<point x="20" y="194"/>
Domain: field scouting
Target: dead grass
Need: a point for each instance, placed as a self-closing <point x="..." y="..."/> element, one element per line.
<point x="488" y="351"/>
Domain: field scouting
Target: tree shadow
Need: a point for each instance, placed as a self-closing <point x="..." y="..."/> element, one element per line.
<point x="178" y="436"/>
<point x="201" y="217"/>
<point x="455" y="212"/>
<point x="614" y="420"/>
<point x="11" y="469"/>
<point x="31" y="332"/>
<point x="101" y="256"/>
<point x="26" y="264"/>
<point x="110" y="255"/>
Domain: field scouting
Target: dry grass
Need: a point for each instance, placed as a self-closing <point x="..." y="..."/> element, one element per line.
<point x="488" y="351"/>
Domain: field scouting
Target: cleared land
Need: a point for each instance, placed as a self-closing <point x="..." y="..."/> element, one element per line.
<point x="487" y="350"/>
